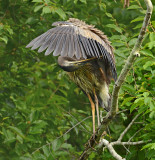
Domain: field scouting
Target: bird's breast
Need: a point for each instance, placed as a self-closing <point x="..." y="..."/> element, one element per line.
<point x="87" y="77"/>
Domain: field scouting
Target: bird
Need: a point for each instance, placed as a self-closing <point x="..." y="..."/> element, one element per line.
<point x="87" y="56"/>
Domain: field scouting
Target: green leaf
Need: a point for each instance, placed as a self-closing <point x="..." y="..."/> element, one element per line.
<point x="118" y="44"/>
<point x="37" y="127"/>
<point x="152" y="115"/>
<point x="152" y="36"/>
<point x="9" y="136"/>
<point x="149" y="146"/>
<point x="37" y="1"/>
<point x="46" y="10"/>
<point x="133" y="7"/>
<point x="148" y="64"/>
<point x="5" y="39"/>
<point x="46" y="150"/>
<point x="147" y="100"/>
<point x="147" y="52"/>
<point x="118" y="37"/>
<point x="151" y="44"/>
<point x="138" y="102"/>
<point x="66" y="146"/>
<point x="145" y="94"/>
<point x="132" y="42"/>
<point x="61" y="13"/>
<point x="153" y="23"/>
<point x="127" y="100"/>
<point x="109" y="15"/>
<point x="128" y="87"/>
<point x="138" y="26"/>
<point x="62" y="153"/>
<point x="83" y="1"/>
<point x="9" y="30"/>
<point x="56" y="144"/>
<point x="17" y="131"/>
<point x="20" y="139"/>
<point x="140" y="18"/>
<point x="37" y="8"/>
<point x="66" y="137"/>
<point x="75" y="1"/>
<point x="118" y="29"/>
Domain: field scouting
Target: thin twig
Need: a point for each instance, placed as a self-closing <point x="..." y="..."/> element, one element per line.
<point x="80" y="123"/>
<point x="127" y="128"/>
<point x="135" y="134"/>
<point x="129" y="143"/>
<point x="62" y="134"/>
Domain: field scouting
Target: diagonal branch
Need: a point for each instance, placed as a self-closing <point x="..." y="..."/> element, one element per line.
<point x="127" y="128"/>
<point x="109" y="145"/>
<point x="131" y="59"/>
<point x="111" y="149"/>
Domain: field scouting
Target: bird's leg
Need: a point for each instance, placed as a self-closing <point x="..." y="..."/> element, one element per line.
<point x="97" y="108"/>
<point x="93" y="111"/>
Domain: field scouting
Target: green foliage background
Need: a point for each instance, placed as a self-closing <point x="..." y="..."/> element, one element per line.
<point x="40" y="109"/>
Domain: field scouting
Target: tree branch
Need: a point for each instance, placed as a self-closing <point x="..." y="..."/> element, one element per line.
<point x="131" y="59"/>
<point x="110" y="145"/>
<point x="127" y="128"/>
<point x="129" y="143"/>
<point x="111" y="149"/>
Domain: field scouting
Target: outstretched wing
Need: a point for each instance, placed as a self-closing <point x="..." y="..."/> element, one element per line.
<point x="72" y="40"/>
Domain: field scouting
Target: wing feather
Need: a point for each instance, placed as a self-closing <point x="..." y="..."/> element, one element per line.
<point x="64" y="50"/>
<point x="37" y="38"/>
<point x="84" y="44"/>
<point x="77" y="47"/>
<point x="82" y="48"/>
<point x="39" y="41"/>
<point x="71" y="47"/>
<point x="60" y="42"/>
<point x="72" y="40"/>
<point x="52" y="45"/>
<point x="47" y="42"/>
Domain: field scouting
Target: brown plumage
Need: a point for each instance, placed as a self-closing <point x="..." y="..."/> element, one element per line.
<point x="87" y="56"/>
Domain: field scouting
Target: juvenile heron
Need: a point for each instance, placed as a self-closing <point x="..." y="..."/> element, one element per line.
<point x="86" y="55"/>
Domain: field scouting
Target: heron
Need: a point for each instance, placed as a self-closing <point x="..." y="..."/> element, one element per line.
<point x="86" y="54"/>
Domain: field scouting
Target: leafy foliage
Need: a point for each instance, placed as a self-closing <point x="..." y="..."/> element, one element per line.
<point x="42" y="114"/>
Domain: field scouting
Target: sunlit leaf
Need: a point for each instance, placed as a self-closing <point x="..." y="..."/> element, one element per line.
<point x="83" y="1"/>
<point x="37" y="1"/>
<point x="46" y="9"/>
<point x="37" y="8"/>
<point x="141" y="18"/>
<point x="118" y="29"/>
<point x="17" y="131"/>
<point x="133" y="7"/>
<point x="61" y="13"/>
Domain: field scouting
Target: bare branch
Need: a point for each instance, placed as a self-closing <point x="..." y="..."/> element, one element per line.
<point x="111" y="150"/>
<point x="127" y="128"/>
<point x="135" y="134"/>
<point x="131" y="59"/>
<point x="129" y="143"/>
